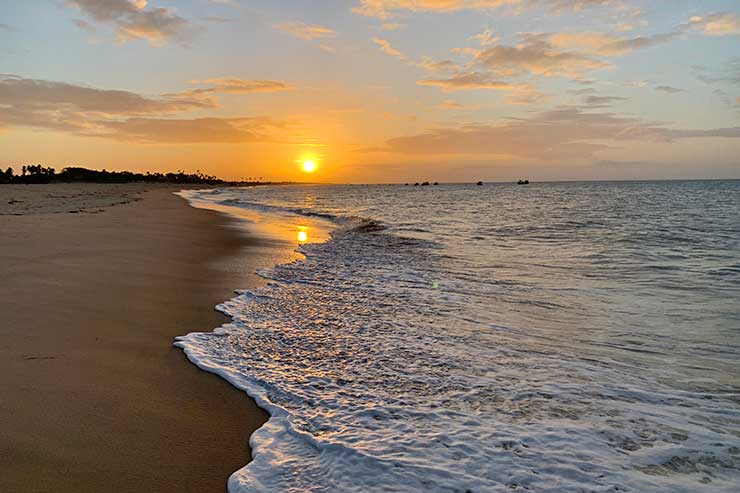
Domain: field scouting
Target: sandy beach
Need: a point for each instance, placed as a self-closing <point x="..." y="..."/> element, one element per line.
<point x="96" y="280"/>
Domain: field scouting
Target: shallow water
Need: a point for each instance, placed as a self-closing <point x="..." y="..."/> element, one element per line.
<point x="551" y="337"/>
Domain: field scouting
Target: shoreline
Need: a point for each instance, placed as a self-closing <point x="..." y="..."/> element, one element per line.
<point x="95" y="394"/>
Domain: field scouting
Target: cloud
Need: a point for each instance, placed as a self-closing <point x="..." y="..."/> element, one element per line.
<point x="450" y="104"/>
<point x="582" y="92"/>
<point x="195" y="130"/>
<point x="721" y="24"/>
<point x="125" y="115"/>
<point x="234" y="85"/>
<point x="50" y="95"/>
<point x="84" y="25"/>
<point x="611" y="163"/>
<point x="472" y="80"/>
<point x="536" y="55"/>
<point x="516" y="92"/>
<point x="386" y="48"/>
<point x="305" y="31"/>
<point x="594" y="43"/>
<point x="218" y="20"/>
<point x="132" y="20"/>
<point x="385" y="9"/>
<point x="569" y="132"/>
<point x="728" y="74"/>
<point x="623" y="46"/>
<point x="432" y="65"/>
<point x="668" y="89"/>
<point x="485" y="38"/>
<point x="602" y="101"/>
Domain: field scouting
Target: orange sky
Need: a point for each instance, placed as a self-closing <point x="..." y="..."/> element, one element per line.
<point x="375" y="90"/>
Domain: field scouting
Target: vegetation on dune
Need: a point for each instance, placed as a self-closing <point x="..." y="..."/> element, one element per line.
<point x="37" y="173"/>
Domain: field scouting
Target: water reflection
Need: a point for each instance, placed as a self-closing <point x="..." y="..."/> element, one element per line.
<point x="302" y="234"/>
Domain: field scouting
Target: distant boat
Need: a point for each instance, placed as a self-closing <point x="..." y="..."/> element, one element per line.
<point x="523" y="182"/>
<point x="479" y="183"/>
<point x="425" y="184"/>
<point x="416" y="184"/>
<point x="436" y="183"/>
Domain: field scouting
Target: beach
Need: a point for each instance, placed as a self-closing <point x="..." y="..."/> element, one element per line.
<point x="96" y="281"/>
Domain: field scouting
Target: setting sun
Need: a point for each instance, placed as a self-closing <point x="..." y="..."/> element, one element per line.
<point x="309" y="166"/>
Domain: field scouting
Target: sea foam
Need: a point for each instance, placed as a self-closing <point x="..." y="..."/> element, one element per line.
<point x="406" y="355"/>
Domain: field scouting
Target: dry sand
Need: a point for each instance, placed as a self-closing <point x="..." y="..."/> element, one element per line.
<point x="94" y="397"/>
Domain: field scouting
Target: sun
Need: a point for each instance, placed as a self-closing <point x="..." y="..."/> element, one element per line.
<point x="309" y="166"/>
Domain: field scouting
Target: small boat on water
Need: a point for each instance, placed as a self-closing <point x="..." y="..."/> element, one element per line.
<point x="479" y="183"/>
<point x="523" y="182"/>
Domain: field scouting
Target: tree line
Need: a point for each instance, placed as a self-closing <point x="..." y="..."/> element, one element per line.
<point x="36" y="173"/>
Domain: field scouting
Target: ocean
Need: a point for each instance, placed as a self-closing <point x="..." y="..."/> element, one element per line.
<point x="555" y="337"/>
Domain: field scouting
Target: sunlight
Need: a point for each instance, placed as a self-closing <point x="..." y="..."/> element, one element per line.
<point x="302" y="234"/>
<point x="309" y="166"/>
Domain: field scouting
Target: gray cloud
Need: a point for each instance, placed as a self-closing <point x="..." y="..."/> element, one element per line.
<point x="602" y="101"/>
<point x="84" y="25"/>
<point x="536" y="55"/>
<point x="668" y="89"/>
<point x="132" y="19"/>
<point x="622" y="46"/>
<point x="567" y="132"/>
<point x="122" y="115"/>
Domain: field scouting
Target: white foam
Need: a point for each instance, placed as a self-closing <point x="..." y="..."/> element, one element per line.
<point x="384" y="365"/>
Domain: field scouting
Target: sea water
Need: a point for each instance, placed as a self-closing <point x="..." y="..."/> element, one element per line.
<point x="459" y="338"/>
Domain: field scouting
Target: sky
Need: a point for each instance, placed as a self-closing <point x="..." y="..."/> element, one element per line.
<point x="374" y="91"/>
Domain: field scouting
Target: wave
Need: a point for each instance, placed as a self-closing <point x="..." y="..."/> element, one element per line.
<point x="391" y="363"/>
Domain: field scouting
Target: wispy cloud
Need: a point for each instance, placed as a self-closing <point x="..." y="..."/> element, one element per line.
<point x="84" y="25"/>
<point x="472" y="80"/>
<point x="720" y="24"/>
<point x="306" y="31"/>
<point x="386" y="48"/>
<point x="668" y="89"/>
<point x="385" y="9"/>
<point x="602" y="101"/>
<point x="244" y="86"/>
<point x="450" y="104"/>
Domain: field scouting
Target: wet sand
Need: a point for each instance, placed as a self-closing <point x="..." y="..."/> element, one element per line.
<point x="94" y="396"/>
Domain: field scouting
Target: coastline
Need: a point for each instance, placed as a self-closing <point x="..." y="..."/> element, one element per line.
<point x="95" y="396"/>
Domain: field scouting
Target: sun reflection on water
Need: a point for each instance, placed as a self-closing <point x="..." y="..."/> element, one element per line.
<point x="302" y="234"/>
